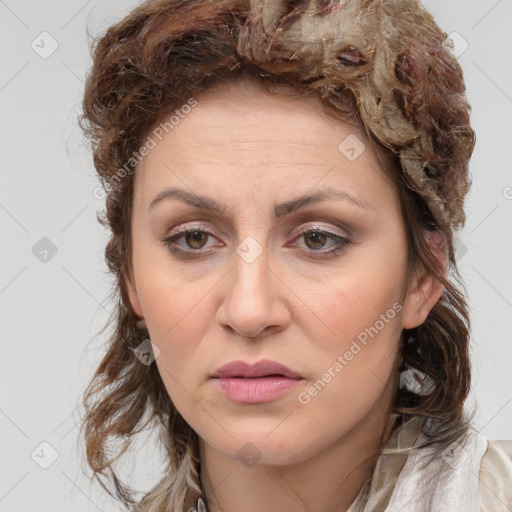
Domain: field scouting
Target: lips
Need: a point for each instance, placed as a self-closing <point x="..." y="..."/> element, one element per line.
<point x="263" y="368"/>
<point x="261" y="382"/>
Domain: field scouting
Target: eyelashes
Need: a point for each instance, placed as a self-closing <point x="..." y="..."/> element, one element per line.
<point x="196" y="238"/>
<point x="340" y="242"/>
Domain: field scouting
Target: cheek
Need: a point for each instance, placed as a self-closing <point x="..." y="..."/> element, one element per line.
<point x="178" y="315"/>
<point x="352" y="369"/>
<point x="176" y="319"/>
<point x="169" y="299"/>
<point x="360" y="318"/>
<point x="177" y="324"/>
<point x="361" y="342"/>
<point x="348" y="302"/>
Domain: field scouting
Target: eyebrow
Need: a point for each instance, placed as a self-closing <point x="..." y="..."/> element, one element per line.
<point x="280" y="209"/>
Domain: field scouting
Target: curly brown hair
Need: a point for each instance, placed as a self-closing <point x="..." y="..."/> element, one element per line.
<point x="384" y="64"/>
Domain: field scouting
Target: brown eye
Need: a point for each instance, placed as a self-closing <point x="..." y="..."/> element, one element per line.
<point x="317" y="238"/>
<point x="196" y="239"/>
<point x="315" y="241"/>
<point x="189" y="242"/>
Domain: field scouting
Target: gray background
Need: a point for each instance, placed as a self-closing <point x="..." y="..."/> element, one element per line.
<point x="53" y="308"/>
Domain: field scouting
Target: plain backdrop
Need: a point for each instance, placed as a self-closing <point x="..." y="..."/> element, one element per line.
<point x="53" y="280"/>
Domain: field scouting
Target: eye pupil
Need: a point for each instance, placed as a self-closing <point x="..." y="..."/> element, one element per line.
<point x="195" y="236"/>
<point x="315" y="235"/>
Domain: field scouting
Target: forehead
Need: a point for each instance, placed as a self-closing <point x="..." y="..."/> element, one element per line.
<point x="240" y="135"/>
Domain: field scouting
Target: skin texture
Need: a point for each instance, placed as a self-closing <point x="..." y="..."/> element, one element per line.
<point x="249" y="150"/>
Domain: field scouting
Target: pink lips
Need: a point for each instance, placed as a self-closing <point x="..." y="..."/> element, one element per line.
<point x="260" y="382"/>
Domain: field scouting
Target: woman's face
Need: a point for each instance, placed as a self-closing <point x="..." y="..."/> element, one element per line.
<point x="313" y="284"/>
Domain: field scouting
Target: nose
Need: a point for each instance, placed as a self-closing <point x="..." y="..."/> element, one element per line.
<point x="254" y="304"/>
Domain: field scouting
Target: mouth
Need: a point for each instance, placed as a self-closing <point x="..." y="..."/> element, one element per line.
<point x="255" y="390"/>
<point x="270" y="375"/>
<point x="262" y="369"/>
<point x="261" y="382"/>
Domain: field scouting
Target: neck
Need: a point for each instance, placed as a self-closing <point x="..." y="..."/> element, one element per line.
<point x="328" y="482"/>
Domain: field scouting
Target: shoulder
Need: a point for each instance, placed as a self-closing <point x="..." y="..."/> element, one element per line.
<point x="495" y="487"/>
<point x="472" y="475"/>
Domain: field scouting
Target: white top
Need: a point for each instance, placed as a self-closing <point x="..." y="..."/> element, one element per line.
<point x="474" y="476"/>
<point x="448" y="484"/>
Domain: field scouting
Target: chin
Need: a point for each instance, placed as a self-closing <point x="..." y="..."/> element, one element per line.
<point x="267" y="445"/>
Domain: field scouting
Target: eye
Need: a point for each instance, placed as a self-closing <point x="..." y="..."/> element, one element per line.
<point x="195" y="239"/>
<point x="315" y="239"/>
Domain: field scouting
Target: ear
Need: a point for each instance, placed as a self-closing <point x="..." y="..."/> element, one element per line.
<point x="425" y="290"/>
<point x="133" y="296"/>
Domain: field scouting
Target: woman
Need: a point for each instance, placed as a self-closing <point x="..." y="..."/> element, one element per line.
<point x="284" y="180"/>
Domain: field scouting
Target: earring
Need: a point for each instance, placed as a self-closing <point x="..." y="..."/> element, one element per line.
<point x="416" y="382"/>
<point x="141" y="324"/>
